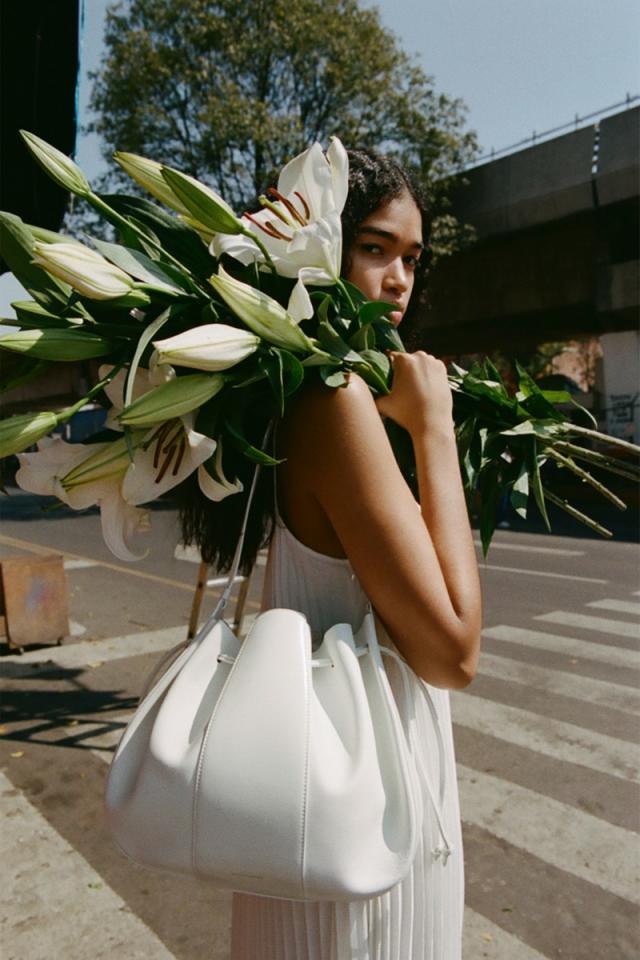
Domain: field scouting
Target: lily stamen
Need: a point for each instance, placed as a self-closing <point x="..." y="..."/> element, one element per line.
<point x="307" y="211"/>
<point x="181" y="450"/>
<point x="290" y="207"/>
<point x="268" y="227"/>
<point x="274" y="209"/>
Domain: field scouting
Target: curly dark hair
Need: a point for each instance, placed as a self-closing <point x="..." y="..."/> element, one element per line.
<point x="374" y="180"/>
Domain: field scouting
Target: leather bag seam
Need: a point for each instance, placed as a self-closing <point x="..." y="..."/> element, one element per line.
<point x="205" y="739"/>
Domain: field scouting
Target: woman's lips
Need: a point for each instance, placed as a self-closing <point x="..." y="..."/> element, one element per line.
<point x="395" y="316"/>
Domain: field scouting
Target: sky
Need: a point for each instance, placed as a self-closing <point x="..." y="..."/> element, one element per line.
<point x="519" y="65"/>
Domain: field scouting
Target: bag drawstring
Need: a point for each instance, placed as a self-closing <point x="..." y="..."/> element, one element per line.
<point x="444" y="851"/>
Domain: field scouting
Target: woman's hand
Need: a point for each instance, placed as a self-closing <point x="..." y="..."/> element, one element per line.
<point x="420" y="397"/>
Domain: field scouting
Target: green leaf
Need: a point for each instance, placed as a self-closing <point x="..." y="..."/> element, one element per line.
<point x="332" y="377"/>
<point x="364" y="338"/>
<point x="491" y="494"/>
<point x="178" y="239"/>
<point x="293" y="372"/>
<point x="20" y="371"/>
<point x="374" y="310"/>
<point x="335" y="345"/>
<point x="30" y="314"/>
<point x="144" y="341"/>
<point x="233" y="424"/>
<point x="143" y="268"/>
<point x="535" y="481"/>
<point x="519" y="496"/>
<point x="271" y="363"/>
<point x="387" y="337"/>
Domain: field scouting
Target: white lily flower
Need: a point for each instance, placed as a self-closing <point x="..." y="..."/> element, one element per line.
<point x="300" y="223"/>
<point x="217" y="488"/>
<point x="87" y="272"/>
<point x="47" y="472"/>
<point x="213" y="346"/>
<point x="168" y="455"/>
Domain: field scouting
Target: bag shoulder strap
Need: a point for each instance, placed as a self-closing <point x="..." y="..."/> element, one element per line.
<point x="235" y="563"/>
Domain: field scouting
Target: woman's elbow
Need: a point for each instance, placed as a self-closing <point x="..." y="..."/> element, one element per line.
<point x="457" y="665"/>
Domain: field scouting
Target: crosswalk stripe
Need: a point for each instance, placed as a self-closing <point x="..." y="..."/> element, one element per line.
<point x="584" y="621"/>
<point x="554" y="738"/>
<point x="44" y="884"/>
<point x="617" y="606"/>
<point x="483" y="939"/>
<point x="567" y="838"/>
<point x="568" y="646"/>
<point x="542" y="573"/>
<point x="557" y="681"/>
<point x="90" y="653"/>
<point x="528" y="548"/>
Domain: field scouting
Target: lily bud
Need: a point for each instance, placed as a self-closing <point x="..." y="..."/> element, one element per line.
<point x="204" y="205"/>
<point x="88" y="272"/>
<point x="58" y="165"/>
<point x="109" y="460"/>
<point x="56" y="344"/>
<point x="148" y="173"/>
<point x="171" y="399"/>
<point x="214" y="346"/>
<point x="261" y="313"/>
<point x="22" y="431"/>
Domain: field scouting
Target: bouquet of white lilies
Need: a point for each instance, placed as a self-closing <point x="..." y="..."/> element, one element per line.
<point x="201" y="317"/>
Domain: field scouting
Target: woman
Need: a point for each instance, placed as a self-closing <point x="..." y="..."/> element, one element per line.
<point x="346" y="528"/>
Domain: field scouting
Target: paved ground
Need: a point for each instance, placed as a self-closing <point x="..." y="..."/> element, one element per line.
<point x="545" y="739"/>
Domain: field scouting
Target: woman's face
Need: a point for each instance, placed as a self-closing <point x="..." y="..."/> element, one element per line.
<point x="385" y="253"/>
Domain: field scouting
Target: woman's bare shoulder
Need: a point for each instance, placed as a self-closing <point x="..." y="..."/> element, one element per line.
<point x="333" y="416"/>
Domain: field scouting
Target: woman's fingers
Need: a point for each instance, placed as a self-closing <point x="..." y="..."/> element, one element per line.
<point x="420" y="393"/>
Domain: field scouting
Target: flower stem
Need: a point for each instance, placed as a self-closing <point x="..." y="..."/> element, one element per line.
<point x="582" y="517"/>
<point x="118" y="220"/>
<point x="263" y="250"/>
<point x="343" y="288"/>
<point x="68" y="412"/>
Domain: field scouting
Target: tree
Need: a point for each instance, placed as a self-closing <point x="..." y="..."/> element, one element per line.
<point x="228" y="90"/>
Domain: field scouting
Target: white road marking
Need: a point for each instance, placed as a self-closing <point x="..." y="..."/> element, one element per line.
<point x="44" y="877"/>
<point x="618" y="606"/>
<point x="585" y="689"/>
<point x="484" y="940"/>
<point x="79" y="564"/>
<point x="542" y="573"/>
<point x="90" y="653"/>
<point x="584" y="621"/>
<point x="559" y="834"/>
<point x="76" y="629"/>
<point x="569" y="646"/>
<point x="553" y="738"/>
<point x="526" y="548"/>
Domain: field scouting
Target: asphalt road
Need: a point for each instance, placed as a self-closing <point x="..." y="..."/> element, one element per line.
<point x="546" y="743"/>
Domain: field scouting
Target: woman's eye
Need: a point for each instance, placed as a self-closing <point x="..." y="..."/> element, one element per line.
<point x="411" y="261"/>
<point x="374" y="248"/>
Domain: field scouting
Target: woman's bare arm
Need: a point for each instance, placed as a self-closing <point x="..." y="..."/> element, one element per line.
<point x="420" y="573"/>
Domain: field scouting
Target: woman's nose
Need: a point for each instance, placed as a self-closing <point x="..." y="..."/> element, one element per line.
<point x="395" y="277"/>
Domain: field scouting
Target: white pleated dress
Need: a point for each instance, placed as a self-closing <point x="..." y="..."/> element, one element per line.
<point x="420" y="918"/>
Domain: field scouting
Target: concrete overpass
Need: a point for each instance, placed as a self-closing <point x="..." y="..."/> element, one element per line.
<point x="557" y="252"/>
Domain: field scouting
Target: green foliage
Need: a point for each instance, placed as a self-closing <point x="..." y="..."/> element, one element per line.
<point x="228" y="90"/>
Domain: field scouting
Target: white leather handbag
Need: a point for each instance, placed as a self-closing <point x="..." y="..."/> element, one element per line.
<point x="271" y="769"/>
